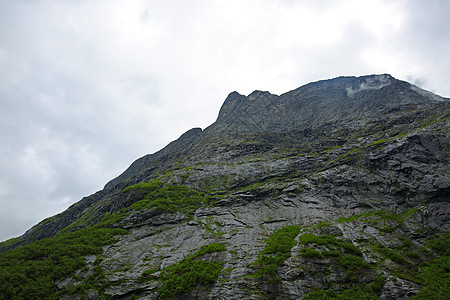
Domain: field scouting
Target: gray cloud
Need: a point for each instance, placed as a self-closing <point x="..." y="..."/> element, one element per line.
<point x="426" y="40"/>
<point x="89" y="86"/>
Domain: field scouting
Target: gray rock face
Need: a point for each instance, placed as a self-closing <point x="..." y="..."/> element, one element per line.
<point x="315" y="104"/>
<point x="359" y="163"/>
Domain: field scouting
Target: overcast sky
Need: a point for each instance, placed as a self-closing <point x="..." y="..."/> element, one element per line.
<point x="87" y="87"/>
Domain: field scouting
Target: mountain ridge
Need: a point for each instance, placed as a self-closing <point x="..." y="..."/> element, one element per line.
<point x="185" y="141"/>
<point x="361" y="162"/>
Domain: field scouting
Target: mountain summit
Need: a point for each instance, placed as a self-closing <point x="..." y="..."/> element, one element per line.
<point x="336" y="100"/>
<point x="337" y="189"/>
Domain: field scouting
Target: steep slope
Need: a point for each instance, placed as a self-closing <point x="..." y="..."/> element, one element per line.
<point x="339" y="188"/>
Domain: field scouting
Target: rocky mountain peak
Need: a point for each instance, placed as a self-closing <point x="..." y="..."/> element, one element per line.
<point x="255" y="95"/>
<point x="373" y="82"/>
<point x="338" y="189"/>
<point x="233" y="100"/>
<point x="317" y="103"/>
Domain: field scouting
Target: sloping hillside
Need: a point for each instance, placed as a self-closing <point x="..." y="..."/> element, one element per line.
<point x="336" y="190"/>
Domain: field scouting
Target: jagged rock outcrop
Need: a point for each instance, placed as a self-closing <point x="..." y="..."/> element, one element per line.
<point x="339" y="187"/>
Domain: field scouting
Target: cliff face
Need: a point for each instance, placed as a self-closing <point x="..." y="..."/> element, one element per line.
<point x="339" y="188"/>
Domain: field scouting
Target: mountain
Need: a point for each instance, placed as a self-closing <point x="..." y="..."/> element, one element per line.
<point x="338" y="189"/>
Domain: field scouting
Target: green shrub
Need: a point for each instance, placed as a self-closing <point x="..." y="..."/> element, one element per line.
<point x="352" y="263"/>
<point x="310" y="252"/>
<point x="437" y="276"/>
<point x="382" y="218"/>
<point x="211" y="248"/>
<point x="144" y="187"/>
<point x="191" y="272"/>
<point x="320" y="295"/>
<point x="441" y="244"/>
<point x="96" y="281"/>
<point x="390" y="254"/>
<point x="170" y="198"/>
<point x="282" y="241"/>
<point x="437" y="271"/>
<point x="147" y="275"/>
<point x="330" y="253"/>
<point x="109" y="219"/>
<point x="8" y="243"/>
<point x="341" y="254"/>
<point x="277" y="250"/>
<point x="30" y="272"/>
<point x="357" y="292"/>
<point x="330" y="241"/>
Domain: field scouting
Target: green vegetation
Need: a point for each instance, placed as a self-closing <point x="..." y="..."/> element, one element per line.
<point x="30" y="272"/>
<point x="437" y="271"/>
<point x="191" y="272"/>
<point x="352" y="263"/>
<point x="354" y="150"/>
<point x="211" y="248"/>
<point x="170" y="198"/>
<point x="277" y="250"/>
<point x="144" y="187"/>
<point x="310" y="252"/>
<point x="212" y="226"/>
<point x="217" y="182"/>
<point x="8" y="243"/>
<point x="367" y="291"/>
<point x="339" y="255"/>
<point x="412" y="262"/>
<point x="155" y="196"/>
<point x="321" y="225"/>
<point x="389" y="253"/>
<point x="382" y="219"/>
<point x="252" y="186"/>
<point x="147" y="275"/>
<point x="91" y="216"/>
<point x="95" y="282"/>
<point x="437" y="276"/>
<point x="407" y="257"/>
<point x="330" y="241"/>
<point x="273" y="183"/>
<point x="441" y="244"/>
